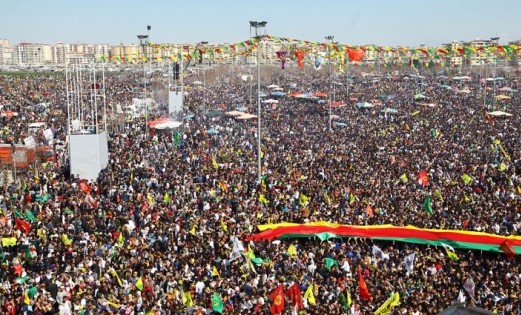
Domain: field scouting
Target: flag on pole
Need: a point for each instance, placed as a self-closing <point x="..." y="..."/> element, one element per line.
<point x="364" y="291"/>
<point x="450" y="252"/>
<point x="388" y="305"/>
<point x="427" y="204"/>
<point x="308" y="295"/>
<point x="409" y="262"/>
<point x="277" y="297"/>
<point x="330" y="262"/>
<point x="139" y="284"/>
<point x="423" y="178"/>
<point x="217" y="303"/>
<point x="296" y="297"/>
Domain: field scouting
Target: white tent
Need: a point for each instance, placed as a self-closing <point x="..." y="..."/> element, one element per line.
<point x="234" y="113"/>
<point x="246" y="116"/>
<point x="499" y="113"/>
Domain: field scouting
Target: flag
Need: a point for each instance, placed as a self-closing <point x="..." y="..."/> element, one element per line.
<point x="296" y="297"/>
<point x="23" y="226"/>
<point x="378" y="253"/>
<point x="217" y="303"/>
<point x="388" y="305"/>
<point x="303" y="199"/>
<point x="292" y="250"/>
<point x="65" y="239"/>
<point x="27" y="300"/>
<point x="327" y="199"/>
<point x="423" y="178"/>
<point x="404" y="178"/>
<point x="450" y="252"/>
<point x="30" y="216"/>
<point x="263" y="199"/>
<point x="166" y="198"/>
<point x="469" y="286"/>
<point x="277" y="297"/>
<point x="466" y="179"/>
<point x="224" y="227"/>
<point x="84" y="186"/>
<point x="139" y="284"/>
<point x="330" y="262"/>
<point x="364" y="291"/>
<point x="427" y="204"/>
<point x="409" y="262"/>
<point x="369" y="211"/>
<point x="461" y="297"/>
<point x="8" y="241"/>
<point x="121" y="240"/>
<point x="308" y="295"/>
<point x="345" y="299"/>
<point x="189" y="301"/>
<point x="214" y="163"/>
<point x="115" y="275"/>
<point x="215" y="272"/>
<point x="506" y="248"/>
<point x="352" y="198"/>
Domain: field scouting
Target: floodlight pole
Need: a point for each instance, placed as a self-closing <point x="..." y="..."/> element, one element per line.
<point x="259" y="27"/>
<point x="142" y="42"/>
<point x="330" y="39"/>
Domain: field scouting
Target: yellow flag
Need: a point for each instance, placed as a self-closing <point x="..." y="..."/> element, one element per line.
<point x="215" y="272"/>
<point x="327" y="199"/>
<point x="263" y="199"/>
<point x="224" y="226"/>
<point x="292" y="250"/>
<point x="192" y="231"/>
<point x="121" y="240"/>
<point x="8" y="241"/>
<point x="189" y="301"/>
<point x="214" y="163"/>
<point x="27" y="300"/>
<point x="388" y="305"/>
<point x="309" y="295"/>
<point x="66" y="241"/>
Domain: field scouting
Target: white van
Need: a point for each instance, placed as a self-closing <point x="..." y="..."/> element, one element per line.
<point x="34" y="127"/>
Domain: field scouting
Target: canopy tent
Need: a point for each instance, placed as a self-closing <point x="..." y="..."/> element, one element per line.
<point x="158" y="121"/>
<point x="9" y="113"/>
<point x="465" y="91"/>
<point x="270" y="101"/>
<point x="445" y="86"/>
<point x="389" y="110"/>
<point x="502" y="97"/>
<point x="338" y="104"/>
<point x="168" y="125"/>
<point x="499" y="113"/>
<point x="296" y="94"/>
<point x="365" y="105"/>
<point x="463" y="78"/>
<point x="507" y="89"/>
<point x="278" y="89"/>
<point x="197" y="83"/>
<point x="320" y="94"/>
<point x="278" y="94"/>
<point x="427" y="104"/>
<point x="340" y="124"/>
<point x="234" y="113"/>
<point x="460" y="309"/>
<point x="273" y="86"/>
<point x="214" y="113"/>
<point x="246" y="116"/>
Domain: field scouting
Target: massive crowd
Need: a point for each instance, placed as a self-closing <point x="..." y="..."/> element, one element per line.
<point x="163" y="229"/>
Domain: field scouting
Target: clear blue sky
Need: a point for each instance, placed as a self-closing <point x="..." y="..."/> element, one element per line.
<point x="381" y="22"/>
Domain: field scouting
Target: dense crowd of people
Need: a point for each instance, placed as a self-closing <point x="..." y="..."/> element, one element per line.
<point x="163" y="228"/>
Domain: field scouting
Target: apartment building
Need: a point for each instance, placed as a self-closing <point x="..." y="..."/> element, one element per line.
<point x="33" y="54"/>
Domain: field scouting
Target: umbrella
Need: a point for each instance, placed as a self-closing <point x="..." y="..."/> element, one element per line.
<point x="419" y="96"/>
<point x="212" y="131"/>
<point x="365" y="105"/>
<point x="9" y="113"/>
<point x="340" y="124"/>
<point x="246" y="116"/>
<point x="214" y="113"/>
<point x="234" y="113"/>
<point x="278" y="94"/>
<point x="502" y="97"/>
<point x="168" y="125"/>
<point x="338" y="104"/>
<point x="499" y="113"/>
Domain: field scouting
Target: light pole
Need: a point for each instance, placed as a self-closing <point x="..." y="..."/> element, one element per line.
<point x="330" y="39"/>
<point x="259" y="27"/>
<point x="142" y="42"/>
<point x="494" y="40"/>
<point x="204" y="43"/>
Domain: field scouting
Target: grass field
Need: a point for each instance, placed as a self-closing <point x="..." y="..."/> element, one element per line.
<point x="30" y="73"/>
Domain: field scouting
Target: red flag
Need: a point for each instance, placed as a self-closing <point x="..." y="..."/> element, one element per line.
<point x="364" y="292"/>
<point x="91" y="201"/>
<point x="506" y="248"/>
<point x="423" y="178"/>
<point x="489" y="119"/>
<point x="277" y="296"/>
<point x="18" y="270"/>
<point x="356" y="54"/>
<point x="296" y="297"/>
<point x="300" y="56"/>
<point x="369" y="211"/>
<point x="23" y="226"/>
<point x="84" y="186"/>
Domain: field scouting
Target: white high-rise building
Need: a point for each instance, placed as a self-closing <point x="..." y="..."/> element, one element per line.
<point x="33" y="54"/>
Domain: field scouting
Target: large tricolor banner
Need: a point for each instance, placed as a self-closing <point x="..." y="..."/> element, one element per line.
<point x="408" y="234"/>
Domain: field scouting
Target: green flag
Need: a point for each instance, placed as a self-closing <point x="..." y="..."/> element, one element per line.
<point x="30" y="216"/>
<point x="330" y="262"/>
<point x="217" y="303"/>
<point x="427" y="204"/>
<point x="324" y="236"/>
